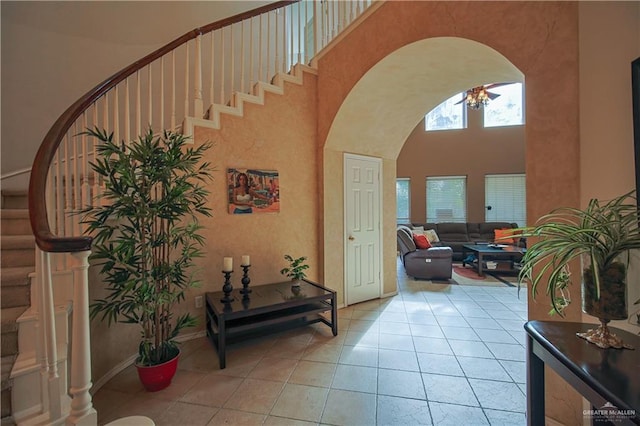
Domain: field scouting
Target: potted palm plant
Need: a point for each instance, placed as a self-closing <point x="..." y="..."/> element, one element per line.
<point x="601" y="236"/>
<point x="147" y="236"/>
<point x="295" y="270"/>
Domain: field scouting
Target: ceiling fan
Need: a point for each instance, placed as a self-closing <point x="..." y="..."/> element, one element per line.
<point x="477" y="97"/>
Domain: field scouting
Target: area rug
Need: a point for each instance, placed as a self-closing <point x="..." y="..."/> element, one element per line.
<point x="461" y="276"/>
<point x="511" y="280"/>
<point x="468" y="276"/>
<point x="468" y="273"/>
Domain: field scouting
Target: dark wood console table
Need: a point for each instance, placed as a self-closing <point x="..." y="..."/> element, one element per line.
<point x="505" y="256"/>
<point x="268" y="308"/>
<point x="605" y="377"/>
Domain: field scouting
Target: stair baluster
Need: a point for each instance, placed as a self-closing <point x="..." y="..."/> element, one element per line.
<point x="82" y="411"/>
<point x="67" y="167"/>
<point x="49" y="326"/>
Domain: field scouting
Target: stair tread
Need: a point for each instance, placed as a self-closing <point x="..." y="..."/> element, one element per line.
<point x="7" y="362"/>
<point x="17" y="241"/>
<point x="14" y="192"/>
<point x="15" y="274"/>
<point x="14" y="213"/>
<point x="10" y="315"/>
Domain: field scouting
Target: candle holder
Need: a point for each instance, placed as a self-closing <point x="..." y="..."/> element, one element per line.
<point x="227" y="288"/>
<point x="246" y="301"/>
<point x="245" y="280"/>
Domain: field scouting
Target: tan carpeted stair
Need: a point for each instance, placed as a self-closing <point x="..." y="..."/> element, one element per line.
<point x="17" y="261"/>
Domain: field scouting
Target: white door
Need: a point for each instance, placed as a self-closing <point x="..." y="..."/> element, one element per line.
<point x="362" y="228"/>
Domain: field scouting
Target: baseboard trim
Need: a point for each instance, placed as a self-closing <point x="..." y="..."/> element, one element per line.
<point x="118" y="368"/>
<point x="386" y="295"/>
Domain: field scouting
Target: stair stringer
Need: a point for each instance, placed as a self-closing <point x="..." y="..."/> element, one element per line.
<point x="62" y="283"/>
<point x="238" y="99"/>
<point x="62" y="299"/>
<point x="28" y="376"/>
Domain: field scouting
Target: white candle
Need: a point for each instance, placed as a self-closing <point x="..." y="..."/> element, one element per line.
<point x="228" y="264"/>
<point x="245" y="260"/>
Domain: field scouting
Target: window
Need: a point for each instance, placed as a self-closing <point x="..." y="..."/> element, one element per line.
<point x="505" y="198"/>
<point x="447" y="115"/>
<point x="447" y="199"/>
<point x="403" y="200"/>
<point x="506" y="109"/>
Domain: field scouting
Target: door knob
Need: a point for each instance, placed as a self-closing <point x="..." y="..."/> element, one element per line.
<point x="351" y="238"/>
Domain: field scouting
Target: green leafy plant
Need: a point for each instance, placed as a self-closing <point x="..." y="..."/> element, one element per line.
<point x="296" y="268"/>
<point x="602" y="231"/>
<point x="146" y="233"/>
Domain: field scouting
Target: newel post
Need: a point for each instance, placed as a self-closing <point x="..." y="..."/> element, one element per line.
<point x="82" y="411"/>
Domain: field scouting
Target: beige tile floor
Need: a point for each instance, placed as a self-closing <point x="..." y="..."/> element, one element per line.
<point x="434" y="354"/>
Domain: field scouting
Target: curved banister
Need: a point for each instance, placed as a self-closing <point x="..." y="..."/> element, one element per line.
<point x="62" y="184"/>
<point x="45" y="239"/>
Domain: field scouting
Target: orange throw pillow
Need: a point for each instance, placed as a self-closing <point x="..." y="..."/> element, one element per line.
<point x="421" y="241"/>
<point x="504" y="236"/>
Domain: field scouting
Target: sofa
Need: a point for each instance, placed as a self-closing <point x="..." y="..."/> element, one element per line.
<point x="429" y="264"/>
<point x="456" y="235"/>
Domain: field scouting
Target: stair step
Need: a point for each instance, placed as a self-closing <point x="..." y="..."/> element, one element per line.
<point x="15" y="199"/>
<point x="17" y="250"/>
<point x="9" y="345"/>
<point x="11" y="315"/>
<point x="15" y="297"/>
<point x="15" y="222"/>
<point x="7" y="421"/>
<point x="16" y="286"/>
<point x="7" y="364"/>
<point x="16" y="276"/>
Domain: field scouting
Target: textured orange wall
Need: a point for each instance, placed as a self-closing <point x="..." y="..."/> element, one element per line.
<point x="277" y="136"/>
<point x="472" y="152"/>
<point x="541" y="40"/>
<point x="606" y="114"/>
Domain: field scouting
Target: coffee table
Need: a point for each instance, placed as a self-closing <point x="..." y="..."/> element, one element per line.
<point x="268" y="308"/>
<point x="505" y="256"/>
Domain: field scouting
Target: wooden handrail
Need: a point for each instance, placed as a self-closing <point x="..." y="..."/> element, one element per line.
<point x="45" y="239"/>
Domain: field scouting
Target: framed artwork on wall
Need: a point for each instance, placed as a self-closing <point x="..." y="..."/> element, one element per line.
<point x="253" y="191"/>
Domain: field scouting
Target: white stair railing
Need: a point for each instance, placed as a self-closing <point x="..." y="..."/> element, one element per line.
<point x="188" y="77"/>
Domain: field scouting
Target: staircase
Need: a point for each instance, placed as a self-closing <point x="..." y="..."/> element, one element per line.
<point x="22" y="353"/>
<point x="18" y="263"/>
<point x="174" y="88"/>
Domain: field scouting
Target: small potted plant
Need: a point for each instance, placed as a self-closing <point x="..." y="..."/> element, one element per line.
<point x="146" y="239"/>
<point x="296" y="269"/>
<point x="600" y="236"/>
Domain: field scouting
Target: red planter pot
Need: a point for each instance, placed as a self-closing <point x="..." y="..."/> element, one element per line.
<point x="158" y="377"/>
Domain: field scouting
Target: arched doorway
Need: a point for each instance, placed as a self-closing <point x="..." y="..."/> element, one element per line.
<point x="385" y="105"/>
<point x="538" y="38"/>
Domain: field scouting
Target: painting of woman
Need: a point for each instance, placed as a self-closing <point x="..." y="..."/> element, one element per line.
<point x="246" y="196"/>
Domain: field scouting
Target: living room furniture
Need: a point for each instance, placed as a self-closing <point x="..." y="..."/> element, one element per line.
<point x="456" y="235"/>
<point x="429" y="264"/>
<point x="505" y="257"/>
<point x="608" y="378"/>
<point x="268" y="308"/>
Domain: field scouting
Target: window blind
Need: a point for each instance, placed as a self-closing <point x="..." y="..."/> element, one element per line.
<point x="506" y="198"/>
<point x="403" y="200"/>
<point x="446" y="199"/>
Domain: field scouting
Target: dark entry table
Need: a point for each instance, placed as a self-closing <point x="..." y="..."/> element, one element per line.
<point x="608" y="378"/>
<point x="268" y="308"/>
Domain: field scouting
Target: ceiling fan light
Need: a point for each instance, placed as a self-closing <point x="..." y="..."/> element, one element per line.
<point x="477" y="97"/>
